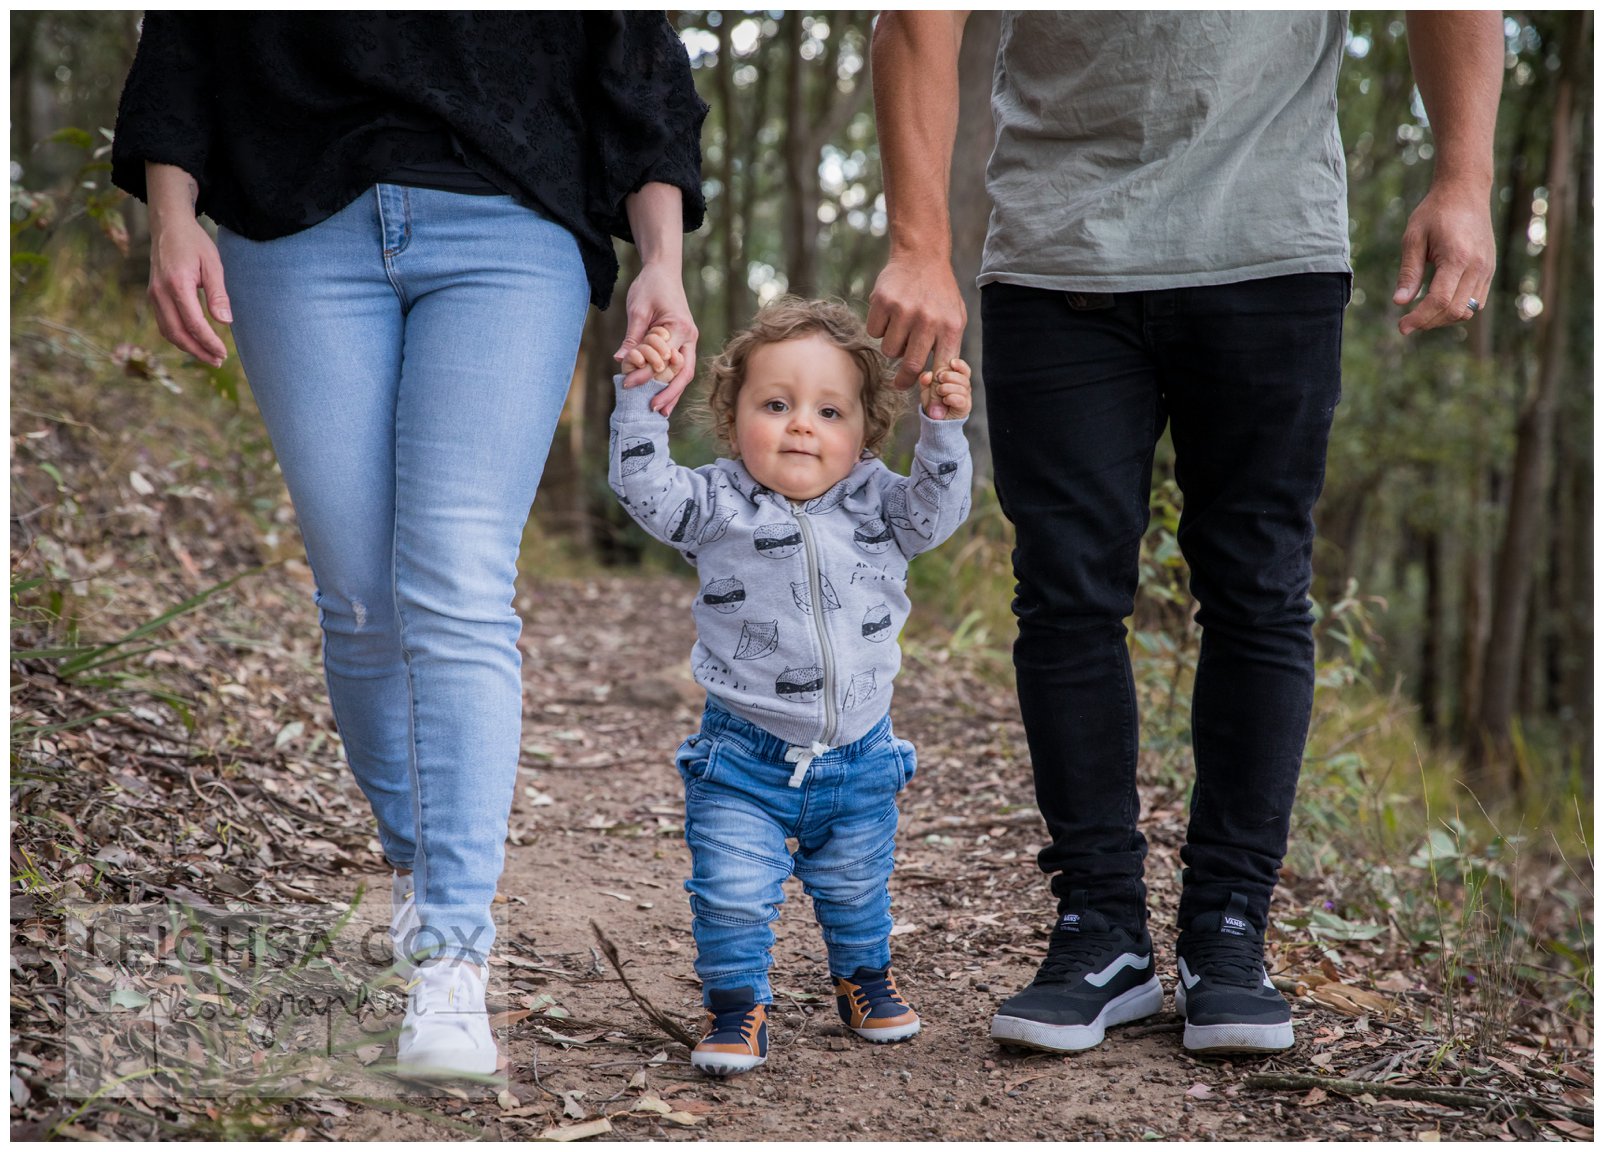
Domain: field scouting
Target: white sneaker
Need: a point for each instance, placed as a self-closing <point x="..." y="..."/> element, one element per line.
<point x="404" y="922"/>
<point x="446" y="1031"/>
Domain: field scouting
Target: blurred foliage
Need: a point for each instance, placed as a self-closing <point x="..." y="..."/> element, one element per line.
<point x="1419" y="471"/>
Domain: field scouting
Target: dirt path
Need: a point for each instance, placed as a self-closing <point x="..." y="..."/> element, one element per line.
<point x="596" y="838"/>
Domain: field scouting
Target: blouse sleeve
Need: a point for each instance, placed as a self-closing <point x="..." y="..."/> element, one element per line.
<point x="165" y="115"/>
<point x="647" y="125"/>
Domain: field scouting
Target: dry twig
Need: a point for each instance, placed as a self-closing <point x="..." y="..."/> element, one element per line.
<point x="1465" y="1096"/>
<point x="673" y="1028"/>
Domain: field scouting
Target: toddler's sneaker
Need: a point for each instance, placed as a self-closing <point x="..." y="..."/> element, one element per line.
<point x="1223" y="991"/>
<point x="872" y="1007"/>
<point x="1096" y="975"/>
<point x="446" y="1031"/>
<point x="737" y="1037"/>
<point x="404" y="923"/>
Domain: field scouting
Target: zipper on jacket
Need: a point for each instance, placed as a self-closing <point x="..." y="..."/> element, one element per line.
<point x="816" y="594"/>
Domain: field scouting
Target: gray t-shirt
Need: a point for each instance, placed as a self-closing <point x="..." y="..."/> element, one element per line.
<point x="1143" y="150"/>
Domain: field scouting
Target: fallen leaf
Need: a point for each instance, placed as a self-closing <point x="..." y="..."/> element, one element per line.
<point x="683" y="1119"/>
<point x="1200" y="1091"/>
<point x="571" y="1105"/>
<point x="506" y="1099"/>
<point x="651" y="1104"/>
<point x="1315" y="1096"/>
<point x="598" y="1127"/>
<point x="511" y="1016"/>
<point x="127" y="998"/>
<point x="1573" y="1130"/>
<point x="1351" y="1001"/>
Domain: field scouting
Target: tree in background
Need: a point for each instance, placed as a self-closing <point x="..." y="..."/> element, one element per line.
<point x="1459" y="487"/>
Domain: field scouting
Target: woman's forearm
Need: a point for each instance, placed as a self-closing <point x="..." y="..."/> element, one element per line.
<point x="656" y="219"/>
<point x="170" y="191"/>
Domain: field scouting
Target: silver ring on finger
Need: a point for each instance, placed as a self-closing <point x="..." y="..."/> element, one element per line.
<point x="1473" y="305"/>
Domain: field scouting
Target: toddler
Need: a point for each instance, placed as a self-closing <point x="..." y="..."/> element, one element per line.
<point x="801" y="541"/>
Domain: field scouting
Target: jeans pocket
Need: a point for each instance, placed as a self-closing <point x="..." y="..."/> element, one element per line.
<point x="907" y="763"/>
<point x="695" y="760"/>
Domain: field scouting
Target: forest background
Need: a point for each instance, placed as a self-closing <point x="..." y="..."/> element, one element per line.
<point x="1454" y="562"/>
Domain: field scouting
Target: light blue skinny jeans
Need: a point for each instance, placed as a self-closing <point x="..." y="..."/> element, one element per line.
<point x="739" y="811"/>
<point x="410" y="356"/>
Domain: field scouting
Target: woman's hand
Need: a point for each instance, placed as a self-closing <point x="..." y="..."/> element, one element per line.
<point x="184" y="266"/>
<point x="656" y="299"/>
<point x="656" y="352"/>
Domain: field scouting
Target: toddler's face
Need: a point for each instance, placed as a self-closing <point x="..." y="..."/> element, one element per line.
<point x="799" y="419"/>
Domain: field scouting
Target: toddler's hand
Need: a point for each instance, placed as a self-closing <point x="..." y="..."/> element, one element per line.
<point x="944" y="394"/>
<point x="654" y="351"/>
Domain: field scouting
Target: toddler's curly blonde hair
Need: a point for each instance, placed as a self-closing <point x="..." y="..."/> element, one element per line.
<point x="791" y="318"/>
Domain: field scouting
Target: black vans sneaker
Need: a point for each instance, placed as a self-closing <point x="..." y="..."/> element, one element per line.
<point x="1096" y="974"/>
<point x="1223" y="991"/>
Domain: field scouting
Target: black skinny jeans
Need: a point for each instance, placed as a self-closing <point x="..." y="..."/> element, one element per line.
<point x="1078" y="389"/>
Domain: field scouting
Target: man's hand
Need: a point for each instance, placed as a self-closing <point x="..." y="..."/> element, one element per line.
<point x="1458" y="61"/>
<point x="1451" y="230"/>
<point x="915" y="311"/>
<point x="945" y="393"/>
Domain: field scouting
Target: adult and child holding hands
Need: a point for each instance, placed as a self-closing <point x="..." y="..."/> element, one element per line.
<point x="414" y="212"/>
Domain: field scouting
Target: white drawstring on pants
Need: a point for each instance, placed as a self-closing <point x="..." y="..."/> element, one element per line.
<point x="802" y="757"/>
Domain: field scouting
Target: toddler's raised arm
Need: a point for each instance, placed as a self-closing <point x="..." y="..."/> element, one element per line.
<point x="672" y="503"/>
<point x="926" y="506"/>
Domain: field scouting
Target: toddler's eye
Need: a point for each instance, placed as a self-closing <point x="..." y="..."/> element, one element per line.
<point x="830" y="413"/>
<point x="775" y="406"/>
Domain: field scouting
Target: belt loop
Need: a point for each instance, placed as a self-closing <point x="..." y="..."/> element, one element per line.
<point x="802" y="756"/>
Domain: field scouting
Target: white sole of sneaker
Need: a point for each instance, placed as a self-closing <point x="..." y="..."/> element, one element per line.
<point x="1260" y="1038"/>
<point x="448" y="1064"/>
<point x="888" y="1035"/>
<point x="724" y="1065"/>
<point x="1133" y="1005"/>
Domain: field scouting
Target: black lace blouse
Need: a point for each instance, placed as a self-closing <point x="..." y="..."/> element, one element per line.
<point x="284" y="119"/>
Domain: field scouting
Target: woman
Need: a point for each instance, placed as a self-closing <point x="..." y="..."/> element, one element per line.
<point x="414" y="211"/>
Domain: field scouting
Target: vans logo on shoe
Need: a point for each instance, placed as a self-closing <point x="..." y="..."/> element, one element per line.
<point x="1188" y="977"/>
<point x="1070" y="922"/>
<point x="1234" y="926"/>
<point x="1127" y="960"/>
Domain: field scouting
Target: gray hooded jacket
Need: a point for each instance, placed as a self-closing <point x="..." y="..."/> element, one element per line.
<point x="801" y="604"/>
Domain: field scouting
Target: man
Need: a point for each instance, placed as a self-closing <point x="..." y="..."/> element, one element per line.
<point x="1168" y="243"/>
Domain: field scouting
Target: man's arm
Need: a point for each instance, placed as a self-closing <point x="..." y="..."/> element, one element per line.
<point x="916" y="308"/>
<point x="1458" y="61"/>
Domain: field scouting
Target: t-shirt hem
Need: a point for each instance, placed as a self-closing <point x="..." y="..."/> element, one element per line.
<point x="1154" y="281"/>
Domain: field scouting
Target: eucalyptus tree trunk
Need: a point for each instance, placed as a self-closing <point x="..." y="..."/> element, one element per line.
<point x="1490" y="756"/>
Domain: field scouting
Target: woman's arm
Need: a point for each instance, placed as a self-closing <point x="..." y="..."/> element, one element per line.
<point x="160" y="154"/>
<point x="184" y="266"/>
<point x="657" y="295"/>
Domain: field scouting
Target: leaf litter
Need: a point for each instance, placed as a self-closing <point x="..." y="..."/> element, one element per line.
<point x="199" y="764"/>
